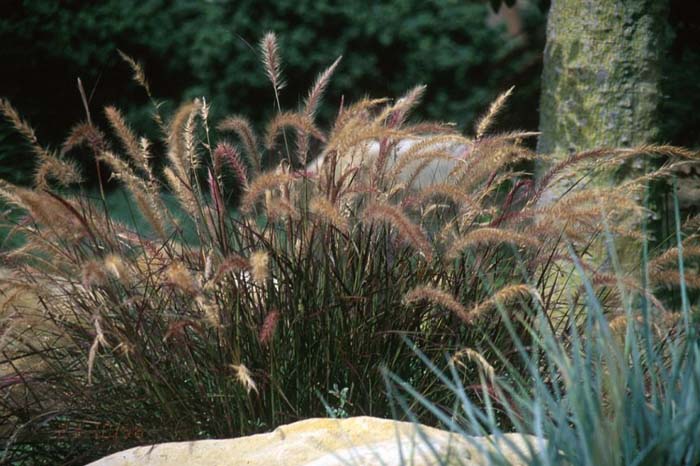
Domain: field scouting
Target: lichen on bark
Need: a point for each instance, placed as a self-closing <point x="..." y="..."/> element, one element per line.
<point x="602" y="67"/>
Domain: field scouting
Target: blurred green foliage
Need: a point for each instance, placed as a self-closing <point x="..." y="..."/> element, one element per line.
<point x="208" y="48"/>
<point x="195" y="48"/>
<point x="680" y="120"/>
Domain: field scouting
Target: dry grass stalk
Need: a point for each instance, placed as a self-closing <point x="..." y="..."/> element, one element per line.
<point x="438" y="147"/>
<point x="189" y="137"/>
<point x="212" y="315"/>
<point x="24" y="128"/>
<point x="47" y="211"/>
<point x="407" y="230"/>
<point x="440" y="297"/>
<point x="99" y="340"/>
<point x="311" y="106"/>
<point x="359" y="111"/>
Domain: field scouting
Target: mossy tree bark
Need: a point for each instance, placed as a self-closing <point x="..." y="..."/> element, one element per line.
<point x="602" y="67"/>
<point x="601" y="85"/>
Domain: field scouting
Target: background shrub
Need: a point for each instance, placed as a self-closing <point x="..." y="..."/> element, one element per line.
<point x="203" y="48"/>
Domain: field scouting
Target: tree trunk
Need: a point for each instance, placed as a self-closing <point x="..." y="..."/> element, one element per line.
<point x="602" y="67"/>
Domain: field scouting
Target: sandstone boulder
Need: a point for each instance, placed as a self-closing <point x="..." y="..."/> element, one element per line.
<point x="360" y="441"/>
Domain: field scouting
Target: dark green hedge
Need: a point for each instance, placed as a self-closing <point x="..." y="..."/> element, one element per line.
<point x="206" y="48"/>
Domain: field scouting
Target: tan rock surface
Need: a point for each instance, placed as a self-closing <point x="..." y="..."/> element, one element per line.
<point x="358" y="441"/>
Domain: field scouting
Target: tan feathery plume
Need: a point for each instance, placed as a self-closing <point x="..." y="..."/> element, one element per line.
<point x="63" y="171"/>
<point x="395" y="115"/>
<point x="182" y="190"/>
<point x="487" y="235"/>
<point x="487" y="158"/>
<point x="269" y="325"/>
<point x="139" y="75"/>
<point x="178" y="275"/>
<point x="212" y="316"/>
<point x="188" y="136"/>
<point x="358" y="111"/>
<point x="228" y="153"/>
<point x="50" y="164"/>
<point x="244" y="378"/>
<point x="618" y="325"/>
<point x="300" y="122"/>
<point x="85" y="133"/>
<point x="232" y="263"/>
<point x="601" y="157"/>
<point x="271" y="60"/>
<point x="452" y="192"/>
<point x="501" y="297"/>
<point x="43" y="208"/>
<point x="318" y="89"/>
<point x="259" y="267"/>
<point x="328" y="212"/>
<point x="440" y="297"/>
<point x="93" y="274"/>
<point x="407" y="230"/>
<point x="278" y="208"/>
<point x="475" y="357"/>
<point x="592" y="200"/>
<point x="177" y="149"/>
<point x="127" y="137"/>
<point x="487" y="120"/>
<point x="670" y="256"/>
<point x="115" y="266"/>
<point x="243" y="129"/>
<point x="672" y="278"/>
<point x="264" y="182"/>
<point x="23" y="128"/>
<point x="430" y="147"/>
<point x="311" y="106"/>
<point x="148" y="203"/>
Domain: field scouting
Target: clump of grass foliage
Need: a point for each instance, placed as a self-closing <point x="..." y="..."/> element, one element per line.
<point x="620" y="391"/>
<point x="302" y="284"/>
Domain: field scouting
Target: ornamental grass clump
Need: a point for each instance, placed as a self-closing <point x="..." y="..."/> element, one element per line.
<point x="603" y="389"/>
<point x="295" y="261"/>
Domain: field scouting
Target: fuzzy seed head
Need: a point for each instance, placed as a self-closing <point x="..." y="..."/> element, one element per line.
<point x="259" y="261"/>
